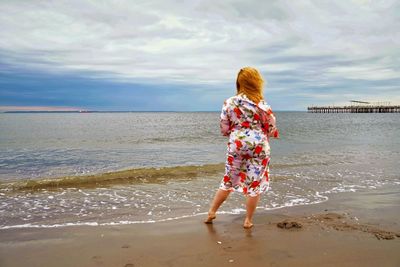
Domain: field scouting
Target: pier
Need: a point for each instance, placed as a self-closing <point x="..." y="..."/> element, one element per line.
<point x="357" y="107"/>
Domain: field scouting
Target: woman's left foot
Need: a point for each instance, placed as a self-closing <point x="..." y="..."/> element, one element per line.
<point x="210" y="218"/>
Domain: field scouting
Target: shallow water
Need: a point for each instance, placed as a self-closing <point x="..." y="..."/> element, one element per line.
<point x="317" y="155"/>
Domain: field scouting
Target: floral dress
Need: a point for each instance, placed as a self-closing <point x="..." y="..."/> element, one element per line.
<point x="249" y="127"/>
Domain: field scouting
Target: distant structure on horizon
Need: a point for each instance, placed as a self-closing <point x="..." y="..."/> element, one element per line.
<point x="357" y="107"/>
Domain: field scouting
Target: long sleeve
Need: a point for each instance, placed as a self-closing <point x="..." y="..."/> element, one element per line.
<point x="225" y="120"/>
<point x="269" y="124"/>
<point x="272" y="130"/>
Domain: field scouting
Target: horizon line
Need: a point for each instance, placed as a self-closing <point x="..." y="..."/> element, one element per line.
<point x="111" y="111"/>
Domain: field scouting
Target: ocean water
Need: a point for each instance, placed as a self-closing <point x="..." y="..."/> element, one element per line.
<point x="60" y="169"/>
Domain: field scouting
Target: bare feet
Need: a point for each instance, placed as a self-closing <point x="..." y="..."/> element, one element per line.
<point x="247" y="224"/>
<point x="210" y="218"/>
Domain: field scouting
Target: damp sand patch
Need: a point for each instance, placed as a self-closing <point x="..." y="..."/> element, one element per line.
<point x="335" y="221"/>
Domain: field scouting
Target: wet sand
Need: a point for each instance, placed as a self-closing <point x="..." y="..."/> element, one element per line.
<point x="350" y="229"/>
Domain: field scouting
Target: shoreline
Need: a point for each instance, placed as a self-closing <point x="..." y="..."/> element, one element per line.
<point x="341" y="231"/>
<point x="169" y="219"/>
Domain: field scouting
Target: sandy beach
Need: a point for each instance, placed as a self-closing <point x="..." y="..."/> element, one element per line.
<point x="343" y="231"/>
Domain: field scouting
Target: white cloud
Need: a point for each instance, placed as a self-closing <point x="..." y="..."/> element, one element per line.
<point x="365" y="72"/>
<point x="206" y="42"/>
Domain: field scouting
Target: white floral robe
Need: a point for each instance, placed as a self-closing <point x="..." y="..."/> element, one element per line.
<point x="249" y="127"/>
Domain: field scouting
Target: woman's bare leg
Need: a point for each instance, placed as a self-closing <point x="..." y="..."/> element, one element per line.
<point x="251" y="204"/>
<point x="220" y="197"/>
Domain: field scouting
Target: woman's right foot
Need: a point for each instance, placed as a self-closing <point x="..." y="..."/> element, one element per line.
<point x="210" y="218"/>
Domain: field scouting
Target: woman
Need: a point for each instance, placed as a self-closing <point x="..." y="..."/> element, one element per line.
<point x="249" y="123"/>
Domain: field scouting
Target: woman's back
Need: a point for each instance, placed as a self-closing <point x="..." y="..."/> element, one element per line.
<point x="240" y="114"/>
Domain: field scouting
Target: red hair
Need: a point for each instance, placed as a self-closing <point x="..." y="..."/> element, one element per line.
<point x="250" y="82"/>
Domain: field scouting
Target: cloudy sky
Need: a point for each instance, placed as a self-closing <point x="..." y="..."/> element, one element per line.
<point x="184" y="55"/>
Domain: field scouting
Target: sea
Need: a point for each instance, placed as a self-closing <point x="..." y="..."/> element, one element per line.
<point x="112" y="168"/>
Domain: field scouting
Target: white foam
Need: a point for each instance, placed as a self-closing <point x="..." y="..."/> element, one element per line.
<point x="235" y="211"/>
